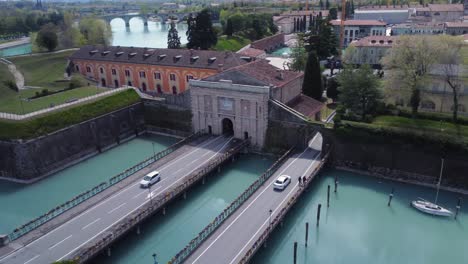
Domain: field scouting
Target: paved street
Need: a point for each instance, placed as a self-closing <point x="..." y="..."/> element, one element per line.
<point x="237" y="234"/>
<point x="62" y="242"/>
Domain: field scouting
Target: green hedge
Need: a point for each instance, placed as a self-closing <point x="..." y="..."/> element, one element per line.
<point x="57" y="120"/>
<point x="446" y="117"/>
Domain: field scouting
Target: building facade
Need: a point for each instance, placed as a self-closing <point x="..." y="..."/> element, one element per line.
<point x="390" y="16"/>
<point x="440" y="13"/>
<point x="153" y="70"/>
<point x="422" y="28"/>
<point x="456" y="28"/>
<point x="357" y="29"/>
<point x="369" y="50"/>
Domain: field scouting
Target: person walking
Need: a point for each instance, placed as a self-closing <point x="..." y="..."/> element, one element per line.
<point x="300" y="183"/>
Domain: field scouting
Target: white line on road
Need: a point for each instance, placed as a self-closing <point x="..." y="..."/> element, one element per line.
<point x="146" y="201"/>
<point x="175" y="172"/>
<point x="32" y="259"/>
<point x="113" y="210"/>
<point x="248" y="206"/>
<point x="86" y="226"/>
<point x="60" y="242"/>
<point x="198" y="147"/>
<point x="195" y="160"/>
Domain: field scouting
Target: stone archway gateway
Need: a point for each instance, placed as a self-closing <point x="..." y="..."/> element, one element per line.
<point x="228" y="127"/>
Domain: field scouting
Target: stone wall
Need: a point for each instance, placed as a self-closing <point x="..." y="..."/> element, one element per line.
<point x="166" y="116"/>
<point x="32" y="159"/>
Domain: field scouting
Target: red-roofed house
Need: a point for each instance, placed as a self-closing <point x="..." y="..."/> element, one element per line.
<point x="251" y="52"/>
<point x="456" y="28"/>
<point x="356" y="29"/>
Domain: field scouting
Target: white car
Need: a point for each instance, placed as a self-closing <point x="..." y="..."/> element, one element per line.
<point x="150" y="179"/>
<point x="282" y="182"/>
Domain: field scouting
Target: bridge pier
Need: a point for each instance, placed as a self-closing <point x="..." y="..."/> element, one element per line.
<point x="109" y="253"/>
<point x="164" y="210"/>
<point x="138" y="230"/>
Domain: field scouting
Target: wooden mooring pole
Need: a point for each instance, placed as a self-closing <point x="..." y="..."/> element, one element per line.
<point x="328" y="196"/>
<point x="458" y="207"/>
<point x="318" y="213"/>
<point x="390" y="197"/>
<point x="295" y="253"/>
<point x="336" y="184"/>
<point x="307" y="233"/>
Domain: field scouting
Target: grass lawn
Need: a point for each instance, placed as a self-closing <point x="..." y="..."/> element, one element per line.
<point x="234" y="43"/>
<point x="423" y="126"/>
<point x="328" y="109"/>
<point x="43" y="70"/>
<point x="57" y="120"/>
<point x="464" y="54"/>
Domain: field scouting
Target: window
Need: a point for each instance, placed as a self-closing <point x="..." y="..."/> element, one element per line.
<point x="157" y="75"/>
<point x="77" y="68"/>
<point x="127" y="73"/>
<point x="114" y="72"/>
<point x="101" y="70"/>
<point x="174" y="90"/>
<point x="172" y="77"/>
<point x="129" y="83"/>
<point x="189" y="77"/>
<point x="88" y="69"/>
<point x="158" y="87"/>
<point x="142" y="74"/>
<point x="429" y="105"/>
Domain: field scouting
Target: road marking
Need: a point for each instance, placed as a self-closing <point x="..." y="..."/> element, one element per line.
<point x="267" y="219"/>
<point x="60" y="242"/>
<point x="267" y="187"/>
<point x="146" y="201"/>
<point x="32" y="259"/>
<point x="113" y="210"/>
<point x="86" y="226"/>
<point x="178" y="170"/>
<point x="151" y="194"/>
<point x="195" y="160"/>
<point x="197" y="148"/>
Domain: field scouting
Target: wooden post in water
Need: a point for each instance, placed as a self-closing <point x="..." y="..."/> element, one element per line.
<point x="307" y="233"/>
<point x="328" y="196"/>
<point x="295" y="252"/>
<point x="390" y="197"/>
<point x="318" y="213"/>
<point x="336" y="184"/>
<point x="458" y="207"/>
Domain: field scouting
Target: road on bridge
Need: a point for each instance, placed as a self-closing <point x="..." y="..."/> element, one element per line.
<point x="229" y="243"/>
<point x="63" y="241"/>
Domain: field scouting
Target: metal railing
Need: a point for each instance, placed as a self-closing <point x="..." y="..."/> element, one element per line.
<point x="213" y="225"/>
<point x="35" y="223"/>
<point x="153" y="206"/>
<point x="279" y="217"/>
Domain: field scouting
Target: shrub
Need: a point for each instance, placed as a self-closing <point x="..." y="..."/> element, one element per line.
<point x="75" y="83"/>
<point x="44" y="92"/>
<point x="12" y="85"/>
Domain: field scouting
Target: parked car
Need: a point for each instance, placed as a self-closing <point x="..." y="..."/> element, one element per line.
<point x="282" y="182"/>
<point x="150" y="179"/>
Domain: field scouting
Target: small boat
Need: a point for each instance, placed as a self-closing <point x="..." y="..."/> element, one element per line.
<point x="432" y="208"/>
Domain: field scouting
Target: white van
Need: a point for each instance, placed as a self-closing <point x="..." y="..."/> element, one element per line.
<point x="150" y="179"/>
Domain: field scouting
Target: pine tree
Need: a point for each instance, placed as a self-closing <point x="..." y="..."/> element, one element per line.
<point x="327" y="4"/>
<point x="321" y="4"/>
<point x="312" y="85"/>
<point x="200" y="32"/>
<point x="173" y="39"/>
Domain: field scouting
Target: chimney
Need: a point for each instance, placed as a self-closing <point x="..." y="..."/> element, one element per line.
<point x="220" y="67"/>
<point x="280" y="75"/>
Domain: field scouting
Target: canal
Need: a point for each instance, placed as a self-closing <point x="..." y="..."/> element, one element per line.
<point x="359" y="227"/>
<point x="20" y="203"/>
<point x="153" y="36"/>
<point x="166" y="235"/>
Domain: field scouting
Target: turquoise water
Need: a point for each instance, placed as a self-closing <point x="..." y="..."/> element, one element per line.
<point x="279" y="52"/>
<point x="166" y="235"/>
<point x="359" y="227"/>
<point x="16" y="50"/>
<point x="153" y="36"/>
<point x="20" y="203"/>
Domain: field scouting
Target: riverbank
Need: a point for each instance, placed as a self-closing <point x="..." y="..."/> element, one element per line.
<point x="22" y="41"/>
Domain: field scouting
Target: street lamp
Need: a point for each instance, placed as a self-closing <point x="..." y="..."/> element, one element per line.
<point x="271" y="211"/>
<point x="154" y="258"/>
<point x="154" y="153"/>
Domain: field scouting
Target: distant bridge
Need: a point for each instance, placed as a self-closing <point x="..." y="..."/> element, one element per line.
<point x="145" y="17"/>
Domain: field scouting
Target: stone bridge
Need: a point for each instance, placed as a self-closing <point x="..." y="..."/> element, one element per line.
<point x="163" y="17"/>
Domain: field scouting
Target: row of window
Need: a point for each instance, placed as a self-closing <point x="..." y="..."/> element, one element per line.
<point x="142" y="74"/>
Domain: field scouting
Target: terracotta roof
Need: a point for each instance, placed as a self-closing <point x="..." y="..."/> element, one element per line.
<point x="456" y="24"/>
<point x="446" y="7"/>
<point x="251" y="52"/>
<point x="305" y="13"/>
<point x="258" y="72"/>
<point x="359" y="23"/>
<point x="204" y="59"/>
<point x="390" y="7"/>
<point x="375" y="41"/>
<point x="306" y="105"/>
<point x="420" y="25"/>
<point x="266" y="43"/>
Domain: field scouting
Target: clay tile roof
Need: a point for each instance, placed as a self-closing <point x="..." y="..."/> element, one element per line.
<point x="306" y="105"/>
<point x="446" y="7"/>
<point x="265" y="43"/>
<point x="456" y="24"/>
<point x="359" y="23"/>
<point x="166" y="57"/>
<point x="375" y="41"/>
<point x="259" y="72"/>
<point x="251" y="52"/>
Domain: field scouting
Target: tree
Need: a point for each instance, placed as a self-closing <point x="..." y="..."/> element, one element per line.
<point x="332" y="89"/>
<point x="450" y="66"/>
<point x="229" y="29"/>
<point x="173" y="39"/>
<point x="95" y="31"/>
<point x="312" y="85"/>
<point x="408" y="63"/>
<point x="47" y="38"/>
<point x="322" y="40"/>
<point x="321" y="4"/>
<point x="359" y="90"/>
<point x="327" y="4"/>
<point x="298" y="58"/>
<point x="200" y="33"/>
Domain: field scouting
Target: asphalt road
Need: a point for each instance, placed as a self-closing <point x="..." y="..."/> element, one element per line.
<point x="236" y="235"/>
<point x="62" y="242"/>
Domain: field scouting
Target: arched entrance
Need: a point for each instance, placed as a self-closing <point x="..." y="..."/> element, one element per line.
<point x="228" y="127"/>
<point x="116" y="84"/>
<point x="143" y="86"/>
<point x="103" y="82"/>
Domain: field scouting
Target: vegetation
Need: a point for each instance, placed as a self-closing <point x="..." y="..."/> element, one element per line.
<point x="321" y="39"/>
<point x="47" y="38"/>
<point x="332" y="88"/>
<point x="200" y="32"/>
<point x="57" y="120"/>
<point x="312" y="84"/>
<point x="298" y="57"/>
<point x="252" y="26"/>
<point x="234" y="43"/>
<point x="173" y="39"/>
<point x="359" y="91"/>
